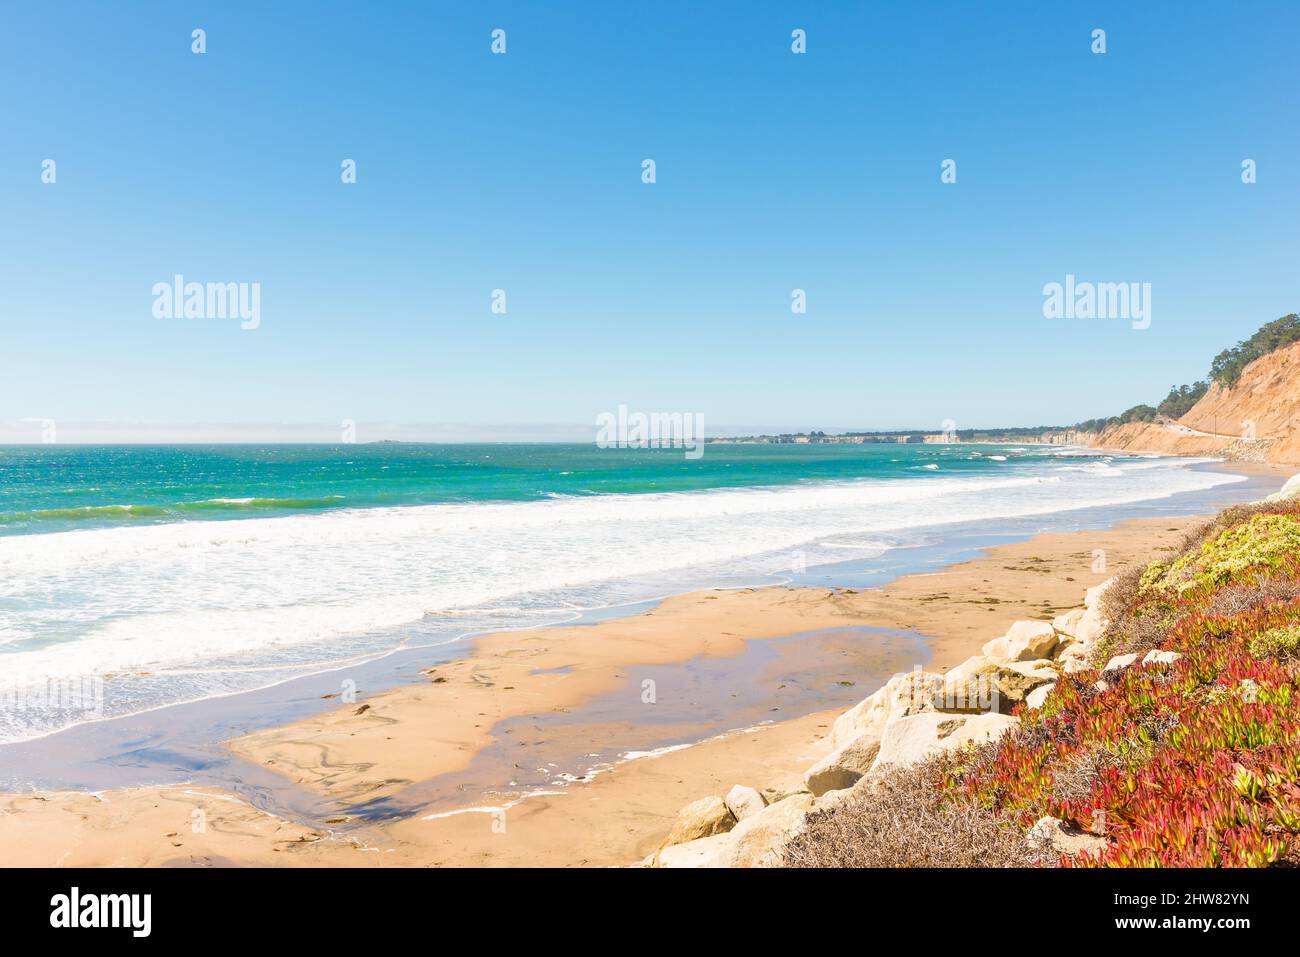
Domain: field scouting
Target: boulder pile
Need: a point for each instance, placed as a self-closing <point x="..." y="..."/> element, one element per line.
<point x="914" y="715"/>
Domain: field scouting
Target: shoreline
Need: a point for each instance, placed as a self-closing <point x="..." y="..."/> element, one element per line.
<point x="114" y="751"/>
<point x="618" y="815"/>
<point x="430" y="774"/>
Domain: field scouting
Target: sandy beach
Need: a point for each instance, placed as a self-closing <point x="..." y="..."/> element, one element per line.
<point x="423" y="753"/>
<point x="717" y="441"/>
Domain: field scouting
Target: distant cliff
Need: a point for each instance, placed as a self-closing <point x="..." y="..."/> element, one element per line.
<point x="1253" y="420"/>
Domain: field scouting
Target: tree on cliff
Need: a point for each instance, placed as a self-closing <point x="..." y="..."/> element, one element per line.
<point x="1227" y="365"/>
<point x="1181" y="399"/>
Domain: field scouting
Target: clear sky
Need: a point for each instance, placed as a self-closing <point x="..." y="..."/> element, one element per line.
<point x="522" y="171"/>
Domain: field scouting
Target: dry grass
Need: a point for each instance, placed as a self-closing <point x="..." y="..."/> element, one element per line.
<point x="1239" y="599"/>
<point x="1128" y="632"/>
<point x="1073" y="779"/>
<point x="900" y="819"/>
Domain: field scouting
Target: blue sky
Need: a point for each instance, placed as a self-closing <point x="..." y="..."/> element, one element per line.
<point x="523" y="172"/>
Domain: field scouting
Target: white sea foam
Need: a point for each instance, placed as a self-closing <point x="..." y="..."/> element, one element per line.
<point x="177" y="611"/>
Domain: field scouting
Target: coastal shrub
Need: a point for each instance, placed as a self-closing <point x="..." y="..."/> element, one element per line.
<point x="1243" y="555"/>
<point x="1192" y="763"/>
<point x="1280" y="643"/>
<point x="1137" y="624"/>
<point x="902" y="819"/>
<point x="1263" y="546"/>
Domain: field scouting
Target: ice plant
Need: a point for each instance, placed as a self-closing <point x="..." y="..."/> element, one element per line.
<point x="1195" y="763"/>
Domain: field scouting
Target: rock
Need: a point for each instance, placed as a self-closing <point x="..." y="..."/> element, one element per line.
<point x="982" y="728"/>
<point x="1030" y="640"/>
<point x="1120" y="661"/>
<point x="1012" y="681"/>
<point x="716" y="851"/>
<point x="761" y="839"/>
<point x="855" y="736"/>
<point x="1040" y="668"/>
<point x="1116" y="664"/>
<point x="743" y="801"/>
<point x="1064" y="840"/>
<point x="1073" y="659"/>
<point x="967" y="689"/>
<point x="831" y="798"/>
<point x="1288" y="492"/>
<point x="1092" y="597"/>
<point x="703" y="818"/>
<point x="912" y="691"/>
<point x="1036" y="697"/>
<point x="967" y="668"/>
<point x="1154" y="657"/>
<point x="776" y="795"/>
<point x="866" y="717"/>
<point x="842" y="768"/>
<point x="1068" y="623"/>
<point x="1091" y="624"/>
<point x="1064" y="643"/>
<point x="904" y="693"/>
<point x="991" y="685"/>
<point x="997" y="648"/>
<point x="910" y="738"/>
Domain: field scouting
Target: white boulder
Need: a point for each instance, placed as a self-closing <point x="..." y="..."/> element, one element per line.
<point x="905" y="693"/>
<point x="1055" y="834"/>
<point x="716" y="851"/>
<point x="1091" y="623"/>
<point x="910" y="738"/>
<point x="1068" y="623"/>
<point x="1289" y="491"/>
<point x="981" y="728"/>
<point x="703" y="818"/>
<point x="1074" y="658"/>
<point x="1030" y="640"/>
<point x="744" y="801"/>
<point x="1154" y="657"/>
<point x="1036" y="697"/>
<point x="1120" y="661"/>
<point x="843" y="766"/>
<point x="761" y="839"/>
<point x="997" y="648"/>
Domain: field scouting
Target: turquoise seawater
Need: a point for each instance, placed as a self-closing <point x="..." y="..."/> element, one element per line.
<point x="48" y="488"/>
<point x="146" y="576"/>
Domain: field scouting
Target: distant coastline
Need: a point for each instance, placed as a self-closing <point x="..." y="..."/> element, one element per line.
<point x="1041" y="435"/>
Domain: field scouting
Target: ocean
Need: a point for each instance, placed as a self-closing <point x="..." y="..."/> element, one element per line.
<point x="156" y="575"/>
